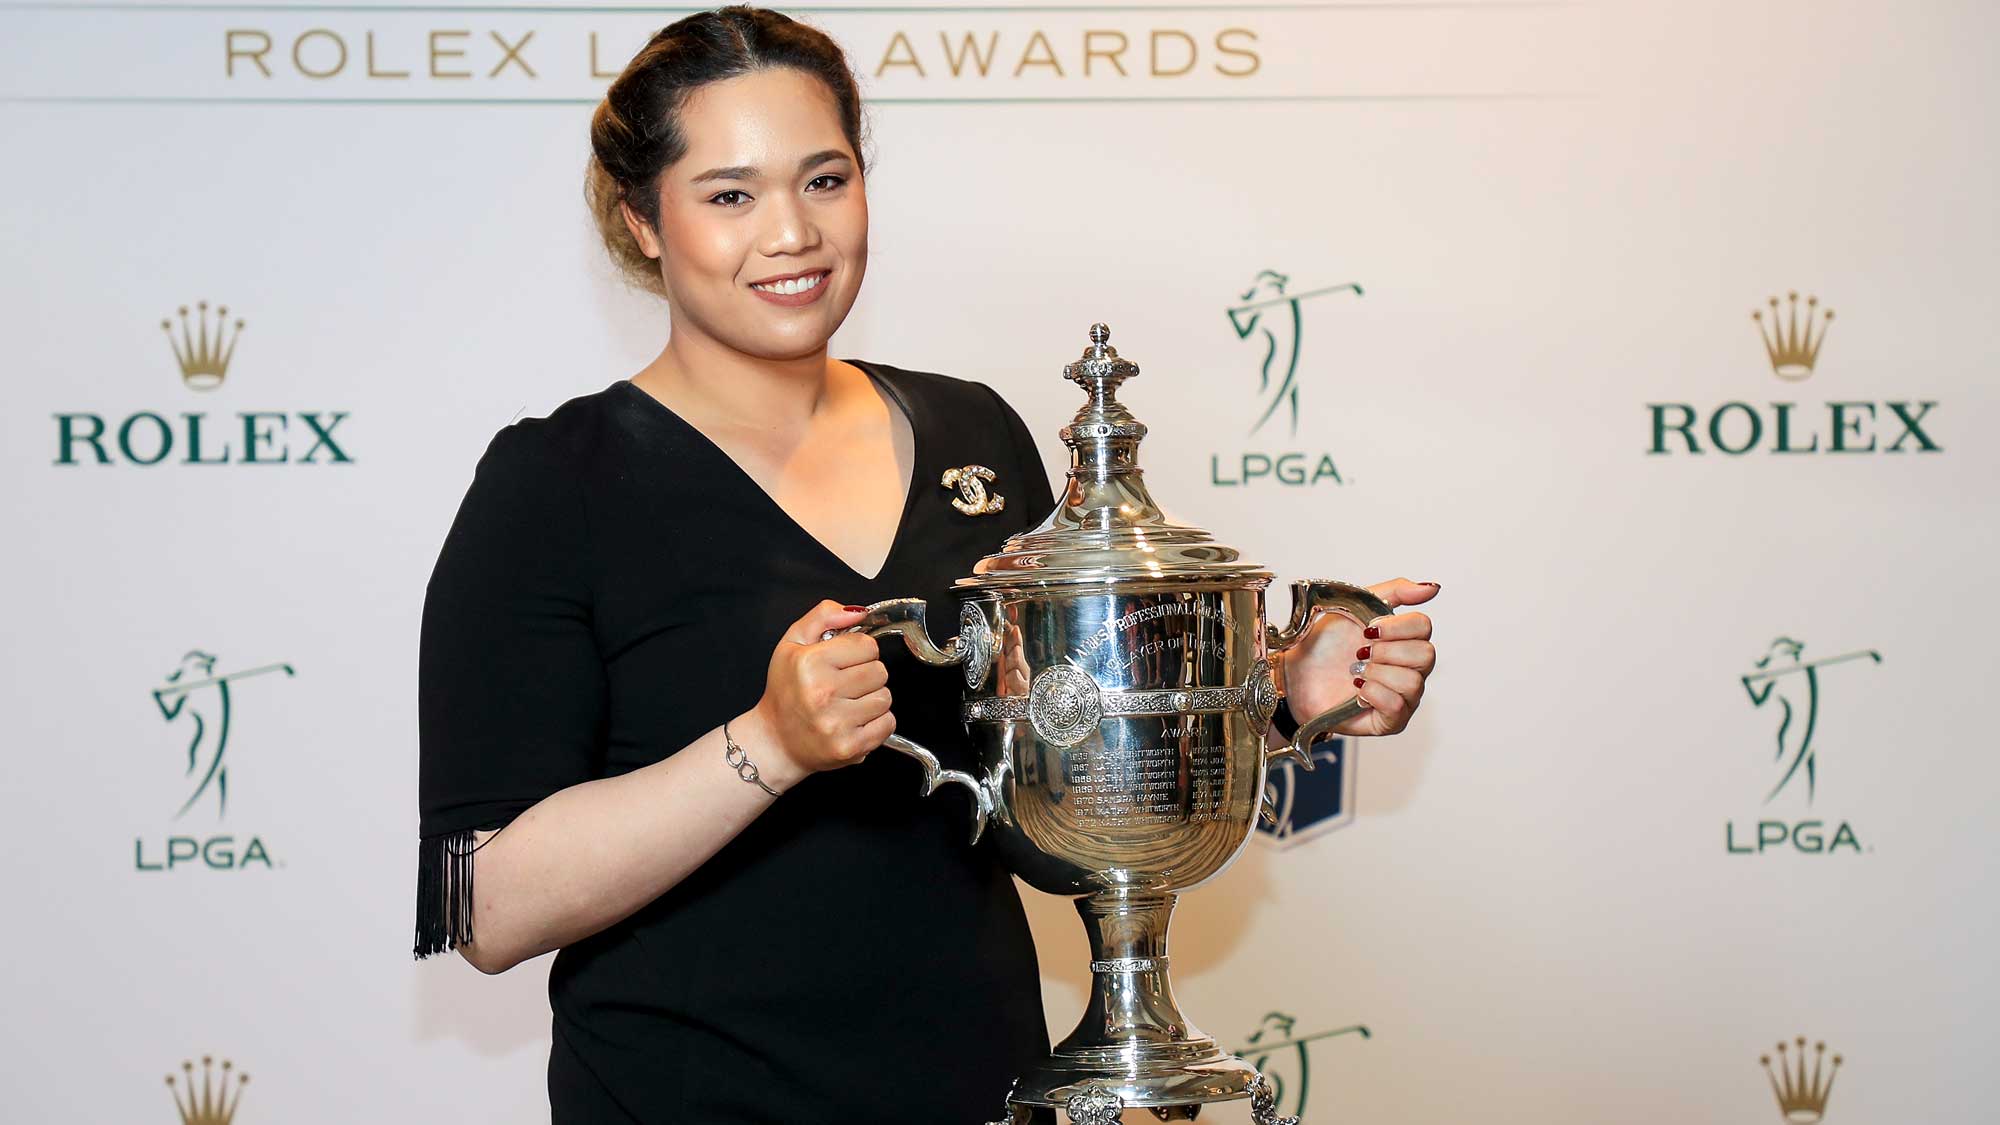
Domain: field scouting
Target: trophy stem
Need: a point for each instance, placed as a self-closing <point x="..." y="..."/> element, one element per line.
<point x="1133" y="1043"/>
<point x="1132" y="1003"/>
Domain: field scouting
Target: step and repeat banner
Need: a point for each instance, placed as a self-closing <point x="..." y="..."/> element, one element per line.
<point x="1660" y="334"/>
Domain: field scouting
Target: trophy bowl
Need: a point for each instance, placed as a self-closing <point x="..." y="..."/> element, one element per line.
<point x="1119" y="692"/>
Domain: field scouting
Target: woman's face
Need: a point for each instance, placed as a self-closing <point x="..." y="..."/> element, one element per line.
<point x="769" y="190"/>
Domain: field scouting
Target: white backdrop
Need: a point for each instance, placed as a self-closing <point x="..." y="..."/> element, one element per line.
<point x="1575" y="891"/>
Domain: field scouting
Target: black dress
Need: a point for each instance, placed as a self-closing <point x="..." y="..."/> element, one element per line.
<point x="612" y="588"/>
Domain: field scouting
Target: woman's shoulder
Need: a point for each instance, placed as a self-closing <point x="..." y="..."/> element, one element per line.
<point x="568" y="438"/>
<point x="524" y="504"/>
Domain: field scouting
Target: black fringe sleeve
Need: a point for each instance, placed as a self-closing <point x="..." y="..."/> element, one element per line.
<point x="444" y="892"/>
<point x="511" y="694"/>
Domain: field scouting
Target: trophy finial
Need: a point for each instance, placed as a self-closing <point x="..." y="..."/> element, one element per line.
<point x="1100" y="369"/>
<point x="1104" y="436"/>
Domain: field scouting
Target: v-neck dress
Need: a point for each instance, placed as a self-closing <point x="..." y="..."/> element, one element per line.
<point x="611" y="588"/>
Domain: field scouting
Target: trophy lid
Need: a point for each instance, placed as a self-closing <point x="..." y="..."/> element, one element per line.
<point x="1106" y="527"/>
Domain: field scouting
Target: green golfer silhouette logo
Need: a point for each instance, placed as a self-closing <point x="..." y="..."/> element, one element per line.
<point x="193" y="692"/>
<point x="1271" y="316"/>
<point x="1794" y="685"/>
<point x="1280" y="1055"/>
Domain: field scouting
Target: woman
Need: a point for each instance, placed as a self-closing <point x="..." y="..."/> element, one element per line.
<point x="622" y="661"/>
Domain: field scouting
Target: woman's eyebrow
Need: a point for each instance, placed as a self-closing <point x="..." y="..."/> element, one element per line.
<point x="749" y="172"/>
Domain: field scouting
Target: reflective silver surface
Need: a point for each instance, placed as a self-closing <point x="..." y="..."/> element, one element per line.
<point x="1119" y="692"/>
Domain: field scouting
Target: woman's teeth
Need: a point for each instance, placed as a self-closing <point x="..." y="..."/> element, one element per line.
<point x="793" y="285"/>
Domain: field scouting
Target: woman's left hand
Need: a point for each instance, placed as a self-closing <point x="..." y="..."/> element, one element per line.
<point x="1394" y="652"/>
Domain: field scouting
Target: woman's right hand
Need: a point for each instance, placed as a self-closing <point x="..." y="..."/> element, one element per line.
<point x="826" y="702"/>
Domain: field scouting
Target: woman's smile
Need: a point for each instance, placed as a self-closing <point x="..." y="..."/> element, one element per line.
<point x="794" y="290"/>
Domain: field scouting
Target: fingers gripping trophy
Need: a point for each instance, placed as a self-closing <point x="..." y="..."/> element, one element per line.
<point x="1118" y="690"/>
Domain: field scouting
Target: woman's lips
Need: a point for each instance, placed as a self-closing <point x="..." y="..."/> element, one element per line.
<point x="796" y="300"/>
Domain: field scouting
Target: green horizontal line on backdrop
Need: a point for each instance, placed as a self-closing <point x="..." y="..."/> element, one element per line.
<point x="836" y="9"/>
<point x="94" y="99"/>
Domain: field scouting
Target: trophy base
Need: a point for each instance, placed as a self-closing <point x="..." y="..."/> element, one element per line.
<point x="1175" y="1095"/>
<point x="1204" y="1073"/>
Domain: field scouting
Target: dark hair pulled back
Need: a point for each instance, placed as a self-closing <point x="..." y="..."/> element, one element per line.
<point x="635" y="132"/>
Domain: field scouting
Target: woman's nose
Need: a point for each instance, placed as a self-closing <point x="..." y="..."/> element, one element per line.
<point x="790" y="229"/>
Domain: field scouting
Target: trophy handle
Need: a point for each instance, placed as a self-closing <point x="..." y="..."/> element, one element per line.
<point x="905" y="617"/>
<point x="1310" y="599"/>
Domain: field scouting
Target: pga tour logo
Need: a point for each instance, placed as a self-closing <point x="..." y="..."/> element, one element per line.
<point x="1302" y="805"/>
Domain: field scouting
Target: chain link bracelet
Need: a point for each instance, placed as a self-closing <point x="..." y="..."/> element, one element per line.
<point x="741" y="763"/>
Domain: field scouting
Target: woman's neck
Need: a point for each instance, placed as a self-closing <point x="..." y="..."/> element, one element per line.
<point x="726" y="386"/>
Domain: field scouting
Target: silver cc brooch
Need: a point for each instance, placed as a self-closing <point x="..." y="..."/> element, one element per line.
<point x="972" y="498"/>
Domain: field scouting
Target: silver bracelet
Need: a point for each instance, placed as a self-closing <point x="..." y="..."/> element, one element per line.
<point x="741" y="763"/>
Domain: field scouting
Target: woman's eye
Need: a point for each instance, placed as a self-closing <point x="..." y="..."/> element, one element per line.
<point x="830" y="180"/>
<point x="730" y="198"/>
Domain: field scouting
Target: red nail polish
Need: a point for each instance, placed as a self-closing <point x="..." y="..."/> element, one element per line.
<point x="1361" y="653"/>
<point x="1372" y="633"/>
<point x="1358" y="681"/>
<point x="855" y="608"/>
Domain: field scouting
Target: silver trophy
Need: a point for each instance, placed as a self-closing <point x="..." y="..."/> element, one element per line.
<point x="1118" y="688"/>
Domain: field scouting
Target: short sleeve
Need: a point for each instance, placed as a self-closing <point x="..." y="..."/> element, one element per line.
<point x="1037" y="499"/>
<point x="511" y="689"/>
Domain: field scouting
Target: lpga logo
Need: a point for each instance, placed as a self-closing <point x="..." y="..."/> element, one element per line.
<point x="1268" y="316"/>
<point x="1271" y="317"/>
<point x="1787" y="688"/>
<point x="199" y="701"/>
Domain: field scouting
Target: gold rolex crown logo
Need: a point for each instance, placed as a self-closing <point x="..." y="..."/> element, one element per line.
<point x="1793" y="347"/>
<point x="204" y="359"/>
<point x="214" y="1103"/>
<point x="1801" y="1092"/>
